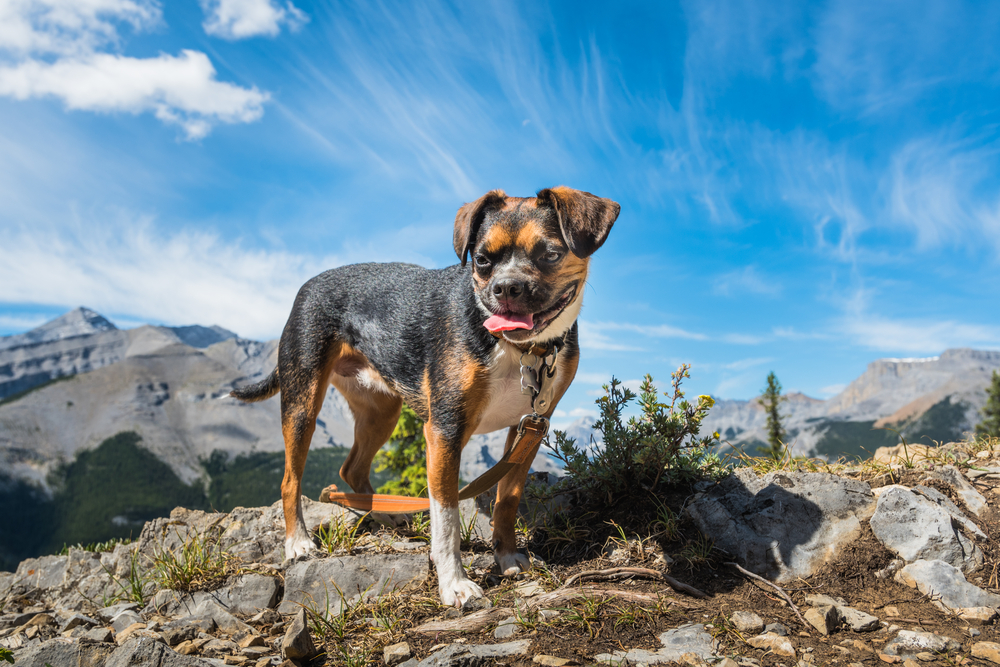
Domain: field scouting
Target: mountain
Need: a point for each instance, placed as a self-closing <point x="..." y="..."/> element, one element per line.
<point x="926" y="400"/>
<point x="96" y="417"/>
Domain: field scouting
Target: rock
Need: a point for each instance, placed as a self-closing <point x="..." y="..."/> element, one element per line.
<point x="552" y="661"/>
<point x="463" y="655"/>
<point x="987" y="651"/>
<point x="507" y="628"/>
<point x="395" y="654"/>
<point x="916" y="528"/>
<point x="98" y="635"/>
<point x="216" y="647"/>
<point x="678" y="644"/>
<point x="909" y="662"/>
<point x="777" y="629"/>
<point x="946" y="583"/>
<point x="981" y="614"/>
<point x="124" y="620"/>
<point x="248" y="594"/>
<point x="823" y="619"/>
<point x="122" y="637"/>
<point x="266" y="617"/>
<point x="909" y="643"/>
<point x="465" y="623"/>
<point x="475" y="522"/>
<point x="148" y="652"/>
<point x="747" y="622"/>
<point x="972" y="498"/>
<point x="825" y="601"/>
<point x="321" y="581"/>
<point x="60" y="651"/>
<point x="944" y="502"/>
<point x="783" y="525"/>
<point x="297" y="644"/>
<point x="176" y="632"/>
<point x="857" y="620"/>
<point x="108" y="614"/>
<point x="774" y="643"/>
<point x="76" y="620"/>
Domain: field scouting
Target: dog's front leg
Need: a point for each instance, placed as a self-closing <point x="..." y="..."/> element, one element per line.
<point x="444" y="448"/>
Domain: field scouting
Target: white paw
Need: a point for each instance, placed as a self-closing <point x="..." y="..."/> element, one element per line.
<point x="512" y="563"/>
<point x="458" y="590"/>
<point x="297" y="545"/>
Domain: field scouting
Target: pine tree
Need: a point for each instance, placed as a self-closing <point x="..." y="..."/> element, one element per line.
<point x="771" y="401"/>
<point x="990" y="426"/>
<point x="405" y="456"/>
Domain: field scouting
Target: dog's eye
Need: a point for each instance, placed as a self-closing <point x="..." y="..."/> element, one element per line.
<point x="482" y="262"/>
<point x="552" y="257"/>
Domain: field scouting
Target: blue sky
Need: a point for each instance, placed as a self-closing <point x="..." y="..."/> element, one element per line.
<point x="805" y="187"/>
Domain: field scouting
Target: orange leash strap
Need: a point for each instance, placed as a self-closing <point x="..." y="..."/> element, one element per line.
<point x="530" y="433"/>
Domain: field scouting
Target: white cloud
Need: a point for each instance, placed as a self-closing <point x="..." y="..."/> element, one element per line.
<point x="918" y="336"/>
<point x="130" y="270"/>
<point x="238" y="19"/>
<point x="746" y="281"/>
<point x="651" y="330"/>
<point x="831" y="390"/>
<point x="69" y="27"/>
<point x="180" y="90"/>
<point x="18" y="323"/>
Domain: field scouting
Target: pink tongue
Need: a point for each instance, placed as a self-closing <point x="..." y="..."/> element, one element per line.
<point x="508" y="322"/>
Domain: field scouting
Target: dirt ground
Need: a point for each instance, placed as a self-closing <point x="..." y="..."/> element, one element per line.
<point x="573" y="542"/>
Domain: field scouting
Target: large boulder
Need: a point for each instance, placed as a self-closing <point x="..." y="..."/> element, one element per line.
<point x="917" y="528"/>
<point x="786" y="524"/>
<point x="324" y="583"/>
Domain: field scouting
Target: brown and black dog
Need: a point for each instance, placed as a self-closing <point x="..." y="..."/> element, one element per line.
<point x="446" y="341"/>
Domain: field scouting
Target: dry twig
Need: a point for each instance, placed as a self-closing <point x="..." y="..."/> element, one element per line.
<point x="628" y="572"/>
<point x="776" y="587"/>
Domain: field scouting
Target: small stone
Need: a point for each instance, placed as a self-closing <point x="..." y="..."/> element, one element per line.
<point x="861" y="646"/>
<point x="234" y="659"/>
<point x="777" y="644"/>
<point x="263" y="662"/>
<point x="553" y="661"/>
<point x="266" y="617"/>
<point x="254" y="652"/>
<point x="297" y="644"/>
<point x="973" y="632"/>
<point x="76" y="620"/>
<point x="823" y="619"/>
<point x="727" y="662"/>
<point x="122" y="636"/>
<point x="98" y="635"/>
<point x="187" y="647"/>
<point x="857" y="620"/>
<point x="987" y="651"/>
<point x="175" y="634"/>
<point x="777" y="629"/>
<point x="251" y="640"/>
<point x="909" y="662"/>
<point x="981" y="614"/>
<point x="924" y="656"/>
<point x="549" y="614"/>
<point x="891" y="659"/>
<point x="910" y="642"/>
<point x="124" y="620"/>
<point x="747" y="622"/>
<point x="39" y="620"/>
<point x="507" y="628"/>
<point x="891" y="611"/>
<point x="395" y="654"/>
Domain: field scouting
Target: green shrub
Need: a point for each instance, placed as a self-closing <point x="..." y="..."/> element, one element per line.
<point x="658" y="447"/>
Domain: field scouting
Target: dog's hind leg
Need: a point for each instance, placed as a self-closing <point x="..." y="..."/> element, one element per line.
<point x="509" y="492"/>
<point x="375" y="415"/>
<point x="443" y="460"/>
<point x="303" y="388"/>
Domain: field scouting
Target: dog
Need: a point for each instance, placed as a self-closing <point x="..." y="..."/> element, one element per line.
<point x="448" y="343"/>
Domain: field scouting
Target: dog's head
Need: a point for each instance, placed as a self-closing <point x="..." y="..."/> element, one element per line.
<point x="530" y="257"/>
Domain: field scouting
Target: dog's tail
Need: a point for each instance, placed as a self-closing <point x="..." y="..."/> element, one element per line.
<point x="259" y="391"/>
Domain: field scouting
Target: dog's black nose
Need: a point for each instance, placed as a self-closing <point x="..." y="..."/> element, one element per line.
<point x="508" y="288"/>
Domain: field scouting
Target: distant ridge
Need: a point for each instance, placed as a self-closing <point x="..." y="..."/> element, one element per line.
<point x="77" y="322"/>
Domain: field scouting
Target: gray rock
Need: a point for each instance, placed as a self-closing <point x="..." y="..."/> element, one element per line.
<point x="965" y="490"/>
<point x="197" y="607"/>
<point x="916" y="528"/>
<point x="60" y="651"/>
<point x="248" y="594"/>
<point x="150" y="653"/>
<point x="395" y="654"/>
<point x="776" y="629"/>
<point x="322" y="582"/>
<point x="108" y="614"/>
<point x="783" y="525"/>
<point x="747" y="622"/>
<point x="777" y="644"/>
<point x="97" y="635"/>
<point x="476" y="522"/>
<point x="125" y="619"/>
<point x="951" y="508"/>
<point x="463" y="655"/>
<point x="686" y="639"/>
<point x="76" y="620"/>
<point x="825" y="619"/>
<point x="946" y="583"/>
<point x="857" y="620"/>
<point x="506" y="628"/>
<point x="909" y="643"/>
<point x="179" y="631"/>
<point x="297" y="644"/>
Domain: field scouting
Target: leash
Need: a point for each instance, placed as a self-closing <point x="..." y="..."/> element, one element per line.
<point x="537" y="373"/>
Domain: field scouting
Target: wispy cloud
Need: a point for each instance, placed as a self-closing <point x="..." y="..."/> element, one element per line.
<point x="239" y="19"/>
<point x="747" y="280"/>
<point x="181" y="278"/>
<point x="180" y="90"/>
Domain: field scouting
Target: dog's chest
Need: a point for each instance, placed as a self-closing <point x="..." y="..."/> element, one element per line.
<point x="506" y="404"/>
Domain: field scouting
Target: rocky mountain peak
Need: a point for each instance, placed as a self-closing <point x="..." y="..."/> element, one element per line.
<point x="77" y="322"/>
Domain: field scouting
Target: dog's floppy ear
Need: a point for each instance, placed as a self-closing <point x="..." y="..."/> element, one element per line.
<point x="584" y="219"/>
<point x="469" y="217"/>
